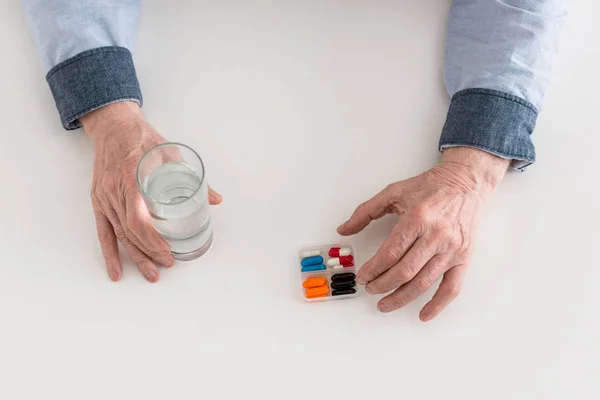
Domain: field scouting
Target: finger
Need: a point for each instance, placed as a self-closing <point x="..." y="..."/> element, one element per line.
<point x="449" y="289"/>
<point x="214" y="197"/>
<point x="368" y="211"/>
<point x="406" y="269"/>
<point x="391" y="251"/>
<point x="146" y="266"/>
<point x="146" y="237"/>
<point x="109" y="246"/>
<point x="434" y="268"/>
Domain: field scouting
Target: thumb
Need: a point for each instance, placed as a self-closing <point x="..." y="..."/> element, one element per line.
<point x="214" y="198"/>
<point x="368" y="211"/>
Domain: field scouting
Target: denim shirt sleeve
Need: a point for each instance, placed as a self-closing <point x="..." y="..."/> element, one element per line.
<point x="85" y="49"/>
<point x="499" y="55"/>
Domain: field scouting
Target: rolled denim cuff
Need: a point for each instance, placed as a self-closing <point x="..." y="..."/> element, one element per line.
<point x="493" y="121"/>
<point x="93" y="79"/>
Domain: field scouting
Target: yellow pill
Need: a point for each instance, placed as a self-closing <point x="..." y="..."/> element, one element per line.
<point x="314" y="282"/>
<point x="320" y="291"/>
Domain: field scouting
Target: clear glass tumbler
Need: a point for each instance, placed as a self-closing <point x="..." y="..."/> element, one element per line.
<point x="172" y="179"/>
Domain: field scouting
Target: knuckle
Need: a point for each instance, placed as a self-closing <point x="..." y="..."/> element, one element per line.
<point x="444" y="231"/>
<point x="134" y="224"/>
<point x="375" y="287"/>
<point x="390" y="255"/>
<point x="122" y="237"/>
<point x="393" y="193"/>
<point x="130" y="186"/>
<point x="420" y="214"/>
<point x="389" y="189"/>
<point x="422" y="284"/>
<point x="96" y="202"/>
<point x="398" y="301"/>
<point x="108" y="184"/>
<point x="452" y="290"/>
<point x="403" y="275"/>
<point x="456" y="241"/>
<point x="158" y="253"/>
<point x="362" y="209"/>
<point x="105" y="237"/>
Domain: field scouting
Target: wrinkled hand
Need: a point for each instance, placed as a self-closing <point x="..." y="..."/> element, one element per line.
<point x="121" y="136"/>
<point x="434" y="235"/>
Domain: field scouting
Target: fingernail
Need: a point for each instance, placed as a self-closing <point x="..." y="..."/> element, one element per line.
<point x="361" y="280"/>
<point x="341" y="227"/>
<point x="170" y="261"/>
<point x="114" y="275"/>
<point x="152" y="276"/>
<point x="383" y="307"/>
<point x="425" y="317"/>
<point x="368" y="289"/>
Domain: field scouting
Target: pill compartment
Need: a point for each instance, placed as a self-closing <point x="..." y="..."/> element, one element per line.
<point x="328" y="272"/>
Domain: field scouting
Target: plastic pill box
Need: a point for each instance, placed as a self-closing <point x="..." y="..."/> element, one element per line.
<point x="327" y="272"/>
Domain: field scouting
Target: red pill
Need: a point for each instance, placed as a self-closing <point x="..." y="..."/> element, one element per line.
<point x="339" y="251"/>
<point x="343" y="260"/>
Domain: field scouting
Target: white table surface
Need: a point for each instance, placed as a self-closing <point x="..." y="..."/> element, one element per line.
<point x="301" y="110"/>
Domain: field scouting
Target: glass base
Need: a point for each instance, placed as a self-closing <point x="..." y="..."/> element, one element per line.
<point x="192" y="255"/>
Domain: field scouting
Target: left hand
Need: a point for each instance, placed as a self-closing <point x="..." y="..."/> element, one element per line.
<point x="434" y="235"/>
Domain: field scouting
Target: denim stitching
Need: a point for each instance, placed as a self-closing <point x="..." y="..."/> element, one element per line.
<point x="489" y="92"/>
<point x="67" y="122"/>
<point x="98" y="105"/>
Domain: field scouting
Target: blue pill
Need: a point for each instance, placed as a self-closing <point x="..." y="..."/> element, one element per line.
<point x="310" y="268"/>
<point x="312" y="261"/>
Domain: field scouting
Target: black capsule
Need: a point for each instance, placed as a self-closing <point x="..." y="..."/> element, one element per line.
<point x="341" y="292"/>
<point x="343" y="285"/>
<point x="343" y="277"/>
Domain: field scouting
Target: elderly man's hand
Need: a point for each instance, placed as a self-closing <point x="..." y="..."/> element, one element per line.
<point x="434" y="235"/>
<point x="121" y="136"/>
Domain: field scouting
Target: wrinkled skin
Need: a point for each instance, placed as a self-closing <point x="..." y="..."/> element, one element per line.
<point x="438" y="214"/>
<point x="434" y="235"/>
<point x="121" y="136"/>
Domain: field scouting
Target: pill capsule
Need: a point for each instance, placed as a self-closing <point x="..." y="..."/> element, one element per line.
<point x="310" y="268"/>
<point x="340" y="260"/>
<point x="343" y="277"/>
<point x="314" y="282"/>
<point x="342" y="266"/>
<point x="312" y="261"/>
<point x="317" y="291"/>
<point x="343" y="285"/>
<point x="310" y="253"/>
<point x="342" y="292"/>
<point x="339" y="251"/>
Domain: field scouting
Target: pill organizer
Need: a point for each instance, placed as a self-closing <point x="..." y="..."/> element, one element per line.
<point x="310" y="266"/>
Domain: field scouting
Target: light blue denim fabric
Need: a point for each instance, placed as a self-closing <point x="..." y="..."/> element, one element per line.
<point x="498" y="59"/>
<point x="509" y="46"/>
<point x="64" y="28"/>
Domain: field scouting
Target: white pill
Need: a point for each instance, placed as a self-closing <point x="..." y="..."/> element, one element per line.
<point x="310" y="253"/>
<point x="338" y="267"/>
<point x="333" y="262"/>
<point x="339" y="251"/>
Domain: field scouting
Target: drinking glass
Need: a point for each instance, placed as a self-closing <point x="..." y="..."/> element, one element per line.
<point x="172" y="180"/>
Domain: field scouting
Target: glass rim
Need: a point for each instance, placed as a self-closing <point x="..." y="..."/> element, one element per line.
<point x="176" y="144"/>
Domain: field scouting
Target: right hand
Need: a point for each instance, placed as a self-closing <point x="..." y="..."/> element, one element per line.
<point x="121" y="136"/>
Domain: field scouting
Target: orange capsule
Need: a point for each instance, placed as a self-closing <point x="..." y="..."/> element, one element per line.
<point x="314" y="282"/>
<point x="320" y="291"/>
